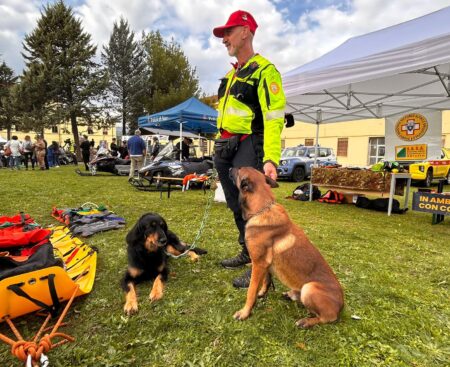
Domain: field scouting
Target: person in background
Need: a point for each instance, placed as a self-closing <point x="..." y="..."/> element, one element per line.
<point x="46" y="154"/>
<point x="184" y="148"/>
<point x="28" y="151"/>
<point x="251" y="117"/>
<point x="123" y="150"/>
<point x="137" y="150"/>
<point x="85" y="147"/>
<point x="39" y="147"/>
<point x="16" y="152"/>
<point x="114" y="148"/>
<point x="54" y="148"/>
<point x="155" y="148"/>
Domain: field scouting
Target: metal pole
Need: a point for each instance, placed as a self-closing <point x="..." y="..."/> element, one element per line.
<point x="316" y="151"/>
<point x="181" y="140"/>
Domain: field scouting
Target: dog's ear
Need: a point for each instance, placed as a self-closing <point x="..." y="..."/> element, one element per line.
<point x="246" y="185"/>
<point x="271" y="182"/>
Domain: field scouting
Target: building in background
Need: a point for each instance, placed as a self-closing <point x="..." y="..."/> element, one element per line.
<point x="356" y="143"/>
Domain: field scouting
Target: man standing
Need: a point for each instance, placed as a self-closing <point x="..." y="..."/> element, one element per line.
<point x="137" y="151"/>
<point x="251" y="117"/>
<point x="85" y="146"/>
<point x="185" y="144"/>
<point x="155" y="148"/>
<point x="114" y="148"/>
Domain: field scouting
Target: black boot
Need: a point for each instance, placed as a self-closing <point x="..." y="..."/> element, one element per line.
<point x="237" y="261"/>
<point x="243" y="281"/>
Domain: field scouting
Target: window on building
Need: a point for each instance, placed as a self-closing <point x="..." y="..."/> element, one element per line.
<point x="309" y="142"/>
<point x="342" y="147"/>
<point x="283" y="143"/>
<point x="376" y="150"/>
<point x="55" y="129"/>
<point x="105" y="131"/>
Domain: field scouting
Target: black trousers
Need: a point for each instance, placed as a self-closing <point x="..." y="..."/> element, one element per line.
<point x="249" y="154"/>
<point x="28" y="156"/>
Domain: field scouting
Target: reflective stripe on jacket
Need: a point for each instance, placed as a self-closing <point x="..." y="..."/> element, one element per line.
<point x="251" y="100"/>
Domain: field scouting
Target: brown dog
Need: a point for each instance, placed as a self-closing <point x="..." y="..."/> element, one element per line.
<point x="276" y="245"/>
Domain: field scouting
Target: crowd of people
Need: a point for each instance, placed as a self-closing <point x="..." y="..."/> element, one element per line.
<point x="17" y="154"/>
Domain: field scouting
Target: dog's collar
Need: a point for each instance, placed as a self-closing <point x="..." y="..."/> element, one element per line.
<point x="260" y="211"/>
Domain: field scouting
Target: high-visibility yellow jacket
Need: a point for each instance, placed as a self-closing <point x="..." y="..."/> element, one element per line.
<point x="252" y="101"/>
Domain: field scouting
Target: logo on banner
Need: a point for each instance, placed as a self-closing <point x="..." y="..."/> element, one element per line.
<point x="411" y="127"/>
<point x="411" y="152"/>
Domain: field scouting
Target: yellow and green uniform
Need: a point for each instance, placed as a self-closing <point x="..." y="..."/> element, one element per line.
<point x="252" y="101"/>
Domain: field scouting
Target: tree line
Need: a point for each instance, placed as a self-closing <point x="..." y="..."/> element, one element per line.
<point x="63" y="82"/>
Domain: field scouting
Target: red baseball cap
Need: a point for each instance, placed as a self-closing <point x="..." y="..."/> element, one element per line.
<point x="239" y="17"/>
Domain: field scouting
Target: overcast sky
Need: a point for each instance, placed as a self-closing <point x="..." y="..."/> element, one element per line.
<point x="290" y="33"/>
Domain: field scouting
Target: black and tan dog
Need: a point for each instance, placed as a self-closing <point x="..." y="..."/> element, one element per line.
<point x="276" y="245"/>
<point x="149" y="243"/>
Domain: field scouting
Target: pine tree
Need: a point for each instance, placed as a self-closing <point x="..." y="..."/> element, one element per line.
<point x="171" y="78"/>
<point x="124" y="59"/>
<point x="60" y="64"/>
<point x="8" y="116"/>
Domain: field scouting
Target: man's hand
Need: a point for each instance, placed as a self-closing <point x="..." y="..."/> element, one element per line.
<point x="270" y="170"/>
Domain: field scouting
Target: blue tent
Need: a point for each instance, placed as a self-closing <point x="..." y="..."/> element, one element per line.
<point x="190" y="116"/>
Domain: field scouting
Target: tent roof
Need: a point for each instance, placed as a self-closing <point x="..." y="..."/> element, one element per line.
<point x="169" y="133"/>
<point x="195" y="117"/>
<point x="392" y="71"/>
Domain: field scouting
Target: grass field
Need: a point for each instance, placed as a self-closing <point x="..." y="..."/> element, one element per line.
<point x="395" y="272"/>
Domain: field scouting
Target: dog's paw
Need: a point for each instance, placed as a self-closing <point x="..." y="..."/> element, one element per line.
<point x="155" y="295"/>
<point x="241" y="315"/>
<point x="193" y="256"/>
<point x="307" y="322"/>
<point x="130" y="308"/>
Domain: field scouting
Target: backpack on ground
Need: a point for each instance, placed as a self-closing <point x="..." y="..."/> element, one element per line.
<point x="302" y="192"/>
<point x="380" y="204"/>
<point x="332" y="197"/>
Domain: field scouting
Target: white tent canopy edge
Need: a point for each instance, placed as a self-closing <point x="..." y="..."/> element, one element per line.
<point x="384" y="73"/>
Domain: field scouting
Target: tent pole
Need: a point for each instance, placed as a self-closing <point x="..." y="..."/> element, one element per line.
<point x="316" y="152"/>
<point x="181" y="140"/>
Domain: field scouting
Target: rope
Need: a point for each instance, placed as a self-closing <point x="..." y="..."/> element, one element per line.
<point x="208" y="204"/>
<point x="36" y="349"/>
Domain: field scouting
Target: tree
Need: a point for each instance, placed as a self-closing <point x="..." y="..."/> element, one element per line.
<point x="60" y="65"/>
<point x="171" y="78"/>
<point x="124" y="59"/>
<point x="8" y="116"/>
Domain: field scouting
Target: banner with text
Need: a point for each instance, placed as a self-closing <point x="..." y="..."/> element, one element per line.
<point x="431" y="203"/>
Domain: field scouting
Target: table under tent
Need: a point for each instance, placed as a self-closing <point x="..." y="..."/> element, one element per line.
<point x="383" y="74"/>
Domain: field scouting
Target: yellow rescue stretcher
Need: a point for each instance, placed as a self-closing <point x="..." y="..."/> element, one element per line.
<point x="32" y="291"/>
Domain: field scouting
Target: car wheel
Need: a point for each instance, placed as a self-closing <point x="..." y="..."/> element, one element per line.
<point x="429" y="178"/>
<point x="298" y="174"/>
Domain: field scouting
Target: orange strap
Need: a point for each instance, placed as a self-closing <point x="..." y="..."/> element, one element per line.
<point x="22" y="348"/>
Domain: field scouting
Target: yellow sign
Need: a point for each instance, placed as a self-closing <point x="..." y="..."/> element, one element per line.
<point x="411" y="127"/>
<point x="416" y="152"/>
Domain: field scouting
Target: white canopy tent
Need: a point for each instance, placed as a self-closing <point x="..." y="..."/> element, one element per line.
<point x="392" y="71"/>
<point x="385" y="73"/>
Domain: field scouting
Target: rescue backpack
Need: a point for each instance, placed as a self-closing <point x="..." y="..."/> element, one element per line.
<point x="332" y="197"/>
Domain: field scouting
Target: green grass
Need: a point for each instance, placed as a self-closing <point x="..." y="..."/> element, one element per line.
<point x="395" y="272"/>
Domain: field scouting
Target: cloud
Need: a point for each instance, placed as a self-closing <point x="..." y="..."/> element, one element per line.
<point x="289" y="34"/>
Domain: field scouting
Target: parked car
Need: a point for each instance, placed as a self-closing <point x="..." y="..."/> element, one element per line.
<point x="425" y="172"/>
<point x="296" y="162"/>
